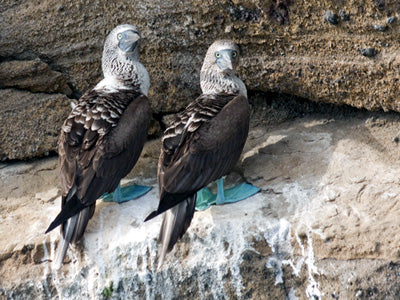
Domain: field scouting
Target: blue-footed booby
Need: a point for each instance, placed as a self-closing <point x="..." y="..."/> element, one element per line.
<point x="103" y="136"/>
<point x="203" y="144"/>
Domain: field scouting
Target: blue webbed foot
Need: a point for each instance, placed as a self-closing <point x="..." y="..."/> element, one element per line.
<point x="205" y="199"/>
<point x="126" y="193"/>
<point x="240" y="192"/>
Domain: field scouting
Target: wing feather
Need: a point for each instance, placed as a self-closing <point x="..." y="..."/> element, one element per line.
<point x="99" y="144"/>
<point x="215" y="128"/>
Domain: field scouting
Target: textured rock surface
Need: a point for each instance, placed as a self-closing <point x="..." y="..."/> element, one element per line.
<point x="33" y="106"/>
<point x="30" y="123"/>
<point x="288" y="46"/>
<point x="32" y="75"/>
<point x="332" y="51"/>
<point x="324" y="226"/>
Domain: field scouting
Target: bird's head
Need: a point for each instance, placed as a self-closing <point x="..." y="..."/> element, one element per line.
<point x="120" y="48"/>
<point x="218" y="71"/>
<point x="222" y="56"/>
<point x="124" y="40"/>
<point x="120" y="62"/>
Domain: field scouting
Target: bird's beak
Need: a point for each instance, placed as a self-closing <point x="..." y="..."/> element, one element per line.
<point x="129" y="42"/>
<point x="225" y="62"/>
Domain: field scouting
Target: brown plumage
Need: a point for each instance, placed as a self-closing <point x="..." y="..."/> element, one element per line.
<point x="205" y="150"/>
<point x="202" y="145"/>
<point x="102" y="138"/>
<point x="95" y="152"/>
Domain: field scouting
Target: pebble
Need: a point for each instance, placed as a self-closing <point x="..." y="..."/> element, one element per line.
<point x="189" y="21"/>
<point x="219" y="19"/>
<point x="390" y="20"/>
<point x="228" y="29"/>
<point x="343" y="15"/>
<point x="359" y="293"/>
<point x="381" y="28"/>
<point x="368" y="52"/>
<point x="331" y="17"/>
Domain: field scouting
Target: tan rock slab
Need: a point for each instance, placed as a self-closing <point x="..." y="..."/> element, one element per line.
<point x="30" y="123"/>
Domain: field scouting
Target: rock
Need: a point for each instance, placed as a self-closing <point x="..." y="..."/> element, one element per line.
<point x="380" y="28"/>
<point x="391" y="19"/>
<point x="287" y="46"/>
<point x="343" y="15"/>
<point x="324" y="226"/>
<point x="33" y="107"/>
<point x="31" y="123"/>
<point x="380" y="4"/>
<point x="32" y="75"/>
<point x="368" y="52"/>
<point x="331" y="17"/>
<point x="154" y="128"/>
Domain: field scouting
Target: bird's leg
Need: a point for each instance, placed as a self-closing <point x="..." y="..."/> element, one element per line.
<point x="117" y="195"/>
<point x="220" y="192"/>
<point x="240" y="192"/>
<point x="237" y="193"/>
<point x="126" y="193"/>
<point x="204" y="199"/>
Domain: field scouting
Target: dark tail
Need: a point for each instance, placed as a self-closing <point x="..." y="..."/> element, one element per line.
<point x="73" y="217"/>
<point x="72" y="231"/>
<point x="71" y="207"/>
<point x="168" y="201"/>
<point x="65" y="239"/>
<point x="175" y="223"/>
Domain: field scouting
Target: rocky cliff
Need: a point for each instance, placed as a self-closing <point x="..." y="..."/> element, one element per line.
<point x="342" y="52"/>
<point x="324" y="225"/>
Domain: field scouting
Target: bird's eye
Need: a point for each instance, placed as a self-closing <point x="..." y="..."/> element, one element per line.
<point x="217" y="54"/>
<point x="234" y="53"/>
<point x="119" y="36"/>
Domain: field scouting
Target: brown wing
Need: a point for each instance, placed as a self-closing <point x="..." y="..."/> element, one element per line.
<point x="100" y="143"/>
<point x="115" y="154"/>
<point x="97" y="154"/>
<point x="204" y="148"/>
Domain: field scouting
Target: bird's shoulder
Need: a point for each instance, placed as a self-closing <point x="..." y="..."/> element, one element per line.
<point x="95" y="115"/>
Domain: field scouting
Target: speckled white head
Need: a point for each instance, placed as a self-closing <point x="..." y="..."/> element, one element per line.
<point x="218" y="71"/>
<point x="120" y="61"/>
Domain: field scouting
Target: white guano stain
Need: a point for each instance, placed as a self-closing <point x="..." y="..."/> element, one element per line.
<point x="120" y="248"/>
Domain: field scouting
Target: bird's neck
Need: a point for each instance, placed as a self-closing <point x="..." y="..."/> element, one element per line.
<point x="111" y="84"/>
<point x="125" y="76"/>
<point x="217" y="82"/>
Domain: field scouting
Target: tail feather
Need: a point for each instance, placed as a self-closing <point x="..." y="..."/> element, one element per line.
<point x="65" y="239"/>
<point x="175" y="223"/>
<point x="72" y="207"/>
<point x="72" y="231"/>
<point x="83" y="218"/>
<point x="168" y="201"/>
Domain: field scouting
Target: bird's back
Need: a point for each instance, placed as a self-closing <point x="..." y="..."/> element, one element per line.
<point x="99" y="144"/>
<point x="94" y="133"/>
<point x="203" y="144"/>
